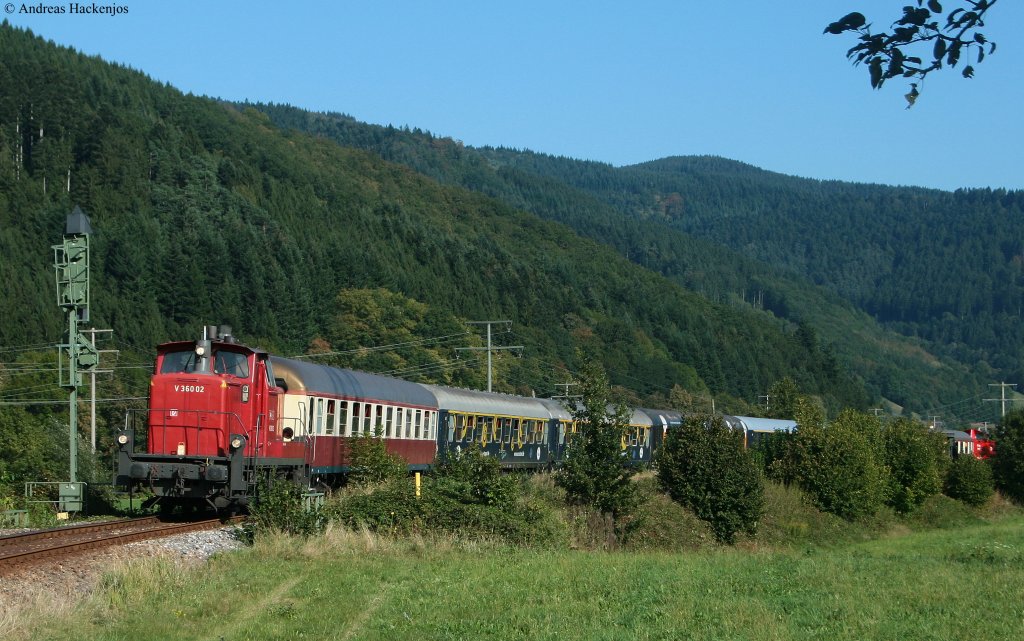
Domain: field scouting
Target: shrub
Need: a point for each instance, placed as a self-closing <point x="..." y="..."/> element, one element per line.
<point x="370" y="461"/>
<point x="595" y="474"/>
<point x="916" y="459"/>
<point x="773" y="455"/>
<point x="704" y="466"/>
<point x="279" y="506"/>
<point x="450" y="505"/>
<point x="1008" y="460"/>
<point x="835" y="463"/>
<point x="470" y="476"/>
<point x="970" y="480"/>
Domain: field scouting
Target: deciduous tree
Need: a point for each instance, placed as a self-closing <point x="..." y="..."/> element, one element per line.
<point x="924" y="39"/>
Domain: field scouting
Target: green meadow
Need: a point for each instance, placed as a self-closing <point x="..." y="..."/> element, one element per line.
<point x="957" y="583"/>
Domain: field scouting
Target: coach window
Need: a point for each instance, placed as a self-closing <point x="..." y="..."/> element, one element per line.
<point x="367" y="418"/>
<point x="389" y="417"/>
<point x="343" y="428"/>
<point x="517" y="434"/>
<point x="330" y="416"/>
<point x="356" y="417"/>
<point x="319" y="416"/>
<point x="378" y="427"/>
<point x="494" y="429"/>
<point x="419" y="419"/>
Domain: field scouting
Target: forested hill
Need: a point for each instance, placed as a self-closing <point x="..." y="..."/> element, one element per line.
<point x="946" y="267"/>
<point x="203" y="213"/>
<point x="739" y="234"/>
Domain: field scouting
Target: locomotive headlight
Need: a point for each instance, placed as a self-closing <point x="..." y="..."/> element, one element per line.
<point x="236" y="443"/>
<point x="122" y="439"/>
<point x="200" y="350"/>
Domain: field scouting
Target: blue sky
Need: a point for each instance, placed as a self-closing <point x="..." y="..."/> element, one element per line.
<point x="616" y="82"/>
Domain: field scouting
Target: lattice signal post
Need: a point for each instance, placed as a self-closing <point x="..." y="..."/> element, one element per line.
<point x="77" y="354"/>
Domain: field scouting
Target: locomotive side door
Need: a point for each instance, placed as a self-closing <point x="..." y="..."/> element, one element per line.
<point x="266" y="398"/>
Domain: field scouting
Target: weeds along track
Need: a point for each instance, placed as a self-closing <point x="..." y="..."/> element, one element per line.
<point x="22" y="549"/>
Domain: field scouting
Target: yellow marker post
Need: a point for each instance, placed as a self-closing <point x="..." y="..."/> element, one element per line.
<point x="417" y="485"/>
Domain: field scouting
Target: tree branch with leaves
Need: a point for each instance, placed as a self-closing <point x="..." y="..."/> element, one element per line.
<point x="902" y="52"/>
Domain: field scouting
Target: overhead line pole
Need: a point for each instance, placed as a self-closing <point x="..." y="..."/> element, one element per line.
<point x="1002" y="388"/>
<point x="490" y="348"/>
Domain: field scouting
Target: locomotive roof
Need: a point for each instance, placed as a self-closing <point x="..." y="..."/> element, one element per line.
<point x="348" y="383"/>
<point x="464" y="400"/>
<point x="173" y="345"/>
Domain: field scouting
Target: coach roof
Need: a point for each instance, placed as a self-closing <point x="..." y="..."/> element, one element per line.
<point x="348" y="383"/>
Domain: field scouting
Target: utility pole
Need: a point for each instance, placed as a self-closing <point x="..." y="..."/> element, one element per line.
<point x="565" y="394"/>
<point x="876" y="410"/>
<point x="765" y="397"/>
<point x="77" y="354"/>
<point x="92" y="374"/>
<point x="489" y="347"/>
<point x="1002" y="388"/>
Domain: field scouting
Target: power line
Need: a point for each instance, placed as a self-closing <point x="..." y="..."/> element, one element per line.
<point x="65" y="402"/>
<point x="421" y="341"/>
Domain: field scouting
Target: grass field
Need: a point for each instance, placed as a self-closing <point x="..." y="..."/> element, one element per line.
<point x="962" y="583"/>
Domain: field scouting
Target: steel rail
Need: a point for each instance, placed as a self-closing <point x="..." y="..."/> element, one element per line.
<point x="21" y="549"/>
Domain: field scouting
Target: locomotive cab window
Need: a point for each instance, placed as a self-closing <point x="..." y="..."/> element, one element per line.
<point x="231" y="363"/>
<point x="180" y="362"/>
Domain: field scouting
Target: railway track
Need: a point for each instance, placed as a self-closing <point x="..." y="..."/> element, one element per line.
<point x="22" y="549"/>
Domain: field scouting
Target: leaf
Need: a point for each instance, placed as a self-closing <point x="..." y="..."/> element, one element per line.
<point x="968" y="71"/>
<point x="911" y="97"/>
<point x="953" y="55"/>
<point x="940" y="49"/>
<point x="875" y="69"/>
<point x="854" y="20"/>
<point x="935" y="6"/>
<point x="980" y="38"/>
<point x="849" y="22"/>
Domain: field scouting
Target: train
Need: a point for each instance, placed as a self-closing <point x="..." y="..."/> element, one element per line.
<point x="221" y="414"/>
<point x="972" y="442"/>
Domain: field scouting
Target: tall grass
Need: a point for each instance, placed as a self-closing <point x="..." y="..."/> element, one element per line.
<point x="943" y="584"/>
<point x="946" y="572"/>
